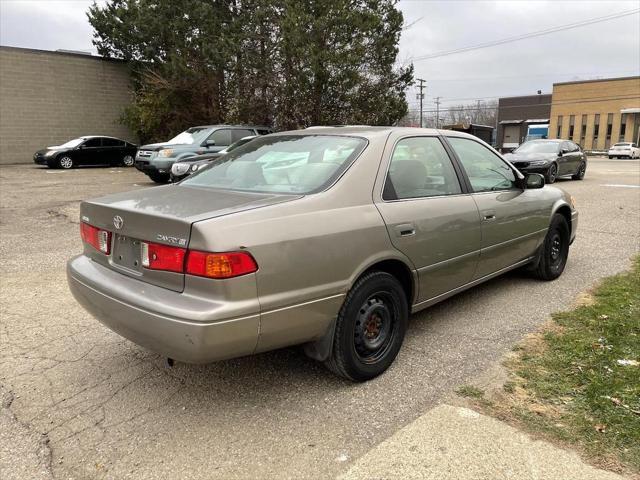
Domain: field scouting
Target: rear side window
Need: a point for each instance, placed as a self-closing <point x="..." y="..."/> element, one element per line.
<point x="420" y="167"/>
<point x="222" y="137"/>
<point x="112" y="142"/>
<point x="263" y="131"/>
<point x="238" y="134"/>
<point x="93" y="142"/>
<point x="486" y="171"/>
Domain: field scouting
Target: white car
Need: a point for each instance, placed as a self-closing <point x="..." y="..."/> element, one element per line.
<point x="624" y="149"/>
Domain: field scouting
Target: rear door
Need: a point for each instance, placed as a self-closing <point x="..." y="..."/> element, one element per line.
<point x="429" y="216"/>
<point x="113" y="150"/>
<point x="513" y="220"/>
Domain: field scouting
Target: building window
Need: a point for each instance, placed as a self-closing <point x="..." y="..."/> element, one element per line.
<point x="596" y="131"/>
<point x="609" y="130"/>
<point x="583" y="129"/>
<point x="572" y="119"/>
<point x="559" y="135"/>
<point x="623" y="127"/>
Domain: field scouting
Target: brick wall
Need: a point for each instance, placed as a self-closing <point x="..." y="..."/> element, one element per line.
<point x="584" y="100"/>
<point x="47" y="98"/>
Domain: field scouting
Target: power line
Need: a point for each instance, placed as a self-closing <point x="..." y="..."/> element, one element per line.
<point x="538" y="33"/>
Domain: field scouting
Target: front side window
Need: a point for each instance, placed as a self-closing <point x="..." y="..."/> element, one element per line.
<point x="222" y="137"/>
<point x="93" y="142"/>
<point x="284" y="164"/>
<point x="420" y="167"/>
<point x="486" y="171"/>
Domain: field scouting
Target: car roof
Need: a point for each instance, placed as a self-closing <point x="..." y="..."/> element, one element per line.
<point x="87" y="137"/>
<point x="231" y="126"/>
<point x="366" y="131"/>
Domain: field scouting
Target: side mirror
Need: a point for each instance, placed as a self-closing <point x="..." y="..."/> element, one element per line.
<point x="209" y="143"/>
<point x="562" y="152"/>
<point x="533" y="180"/>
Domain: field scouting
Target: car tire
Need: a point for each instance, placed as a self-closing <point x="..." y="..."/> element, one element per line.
<point x="128" y="161"/>
<point x="582" y="169"/>
<point x="159" y="177"/>
<point x="553" y="253"/>
<point x="65" y="162"/>
<point x="552" y="173"/>
<point x="610" y="157"/>
<point x="370" y="328"/>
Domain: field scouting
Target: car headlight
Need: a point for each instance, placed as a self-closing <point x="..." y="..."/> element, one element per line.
<point x="165" y="153"/>
<point x="50" y="153"/>
<point x="538" y="163"/>
<point x="179" y="168"/>
<point x="195" y="168"/>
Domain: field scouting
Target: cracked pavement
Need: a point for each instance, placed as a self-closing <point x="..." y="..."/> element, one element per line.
<point x="107" y="408"/>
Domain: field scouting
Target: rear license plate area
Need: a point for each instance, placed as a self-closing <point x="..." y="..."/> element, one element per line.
<point x="127" y="253"/>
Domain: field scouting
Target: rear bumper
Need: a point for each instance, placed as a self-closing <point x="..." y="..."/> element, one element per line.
<point x="176" y="325"/>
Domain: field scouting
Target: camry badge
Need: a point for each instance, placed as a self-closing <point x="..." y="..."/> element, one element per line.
<point x="118" y="222"/>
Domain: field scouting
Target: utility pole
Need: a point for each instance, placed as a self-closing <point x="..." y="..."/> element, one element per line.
<point x="437" y="101"/>
<point x="420" y="96"/>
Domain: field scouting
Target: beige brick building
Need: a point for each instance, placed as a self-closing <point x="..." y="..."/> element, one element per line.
<point x="596" y="113"/>
<point x="47" y="98"/>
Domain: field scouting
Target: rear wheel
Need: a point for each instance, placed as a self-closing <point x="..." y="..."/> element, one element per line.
<point x="65" y="162"/>
<point x="551" y="174"/>
<point x="370" y="328"/>
<point x="553" y="253"/>
<point x="582" y="169"/>
<point x="159" y="177"/>
<point x="128" y="161"/>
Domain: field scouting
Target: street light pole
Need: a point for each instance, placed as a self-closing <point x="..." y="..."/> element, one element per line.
<point x="420" y="96"/>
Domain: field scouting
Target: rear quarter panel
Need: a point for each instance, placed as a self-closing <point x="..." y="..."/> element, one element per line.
<point x="309" y="251"/>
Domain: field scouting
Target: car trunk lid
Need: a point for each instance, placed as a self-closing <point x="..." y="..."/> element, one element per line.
<point x="161" y="215"/>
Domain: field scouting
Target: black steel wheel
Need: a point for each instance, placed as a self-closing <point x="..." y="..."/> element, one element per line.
<point x="582" y="169"/>
<point x="552" y="173"/>
<point x="553" y="254"/>
<point x="370" y="327"/>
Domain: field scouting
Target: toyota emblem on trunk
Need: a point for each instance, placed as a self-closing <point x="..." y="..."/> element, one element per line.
<point x="118" y="222"/>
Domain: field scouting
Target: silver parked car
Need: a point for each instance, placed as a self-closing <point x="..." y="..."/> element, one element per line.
<point x="326" y="237"/>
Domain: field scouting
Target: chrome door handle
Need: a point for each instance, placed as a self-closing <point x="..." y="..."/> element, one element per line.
<point x="405" y="230"/>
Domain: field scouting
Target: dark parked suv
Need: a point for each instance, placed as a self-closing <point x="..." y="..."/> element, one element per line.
<point x="156" y="159"/>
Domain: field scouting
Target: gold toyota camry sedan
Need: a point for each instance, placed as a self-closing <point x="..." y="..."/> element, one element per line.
<point x="324" y="237"/>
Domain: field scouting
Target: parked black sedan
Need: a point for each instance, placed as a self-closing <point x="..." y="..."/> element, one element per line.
<point x="552" y="158"/>
<point x="89" y="150"/>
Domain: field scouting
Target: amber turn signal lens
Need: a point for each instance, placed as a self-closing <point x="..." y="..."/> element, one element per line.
<point x="220" y="265"/>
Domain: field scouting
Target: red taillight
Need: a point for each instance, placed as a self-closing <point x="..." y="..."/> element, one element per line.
<point x="220" y="265"/>
<point x="163" y="257"/>
<point x="97" y="238"/>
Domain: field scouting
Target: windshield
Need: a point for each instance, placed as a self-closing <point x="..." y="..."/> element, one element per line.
<point x="191" y="136"/>
<point x="282" y="164"/>
<point x="538" y="147"/>
<point x="622" y="145"/>
<point x="72" y="143"/>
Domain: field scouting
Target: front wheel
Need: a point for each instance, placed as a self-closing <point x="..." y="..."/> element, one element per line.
<point x="554" y="252"/>
<point x="551" y="174"/>
<point x="65" y="162"/>
<point x="582" y="169"/>
<point x="370" y="328"/>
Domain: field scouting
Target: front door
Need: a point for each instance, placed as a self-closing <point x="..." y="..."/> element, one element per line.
<point x="429" y="217"/>
<point x="513" y="221"/>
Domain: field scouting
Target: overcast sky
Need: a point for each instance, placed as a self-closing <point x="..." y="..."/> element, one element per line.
<point x="607" y="49"/>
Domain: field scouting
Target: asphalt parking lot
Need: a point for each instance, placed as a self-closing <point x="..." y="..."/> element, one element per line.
<point x="109" y="409"/>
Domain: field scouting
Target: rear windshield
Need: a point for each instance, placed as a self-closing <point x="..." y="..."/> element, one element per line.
<point x="622" y="145"/>
<point x="282" y="164"/>
<point x="538" y="147"/>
